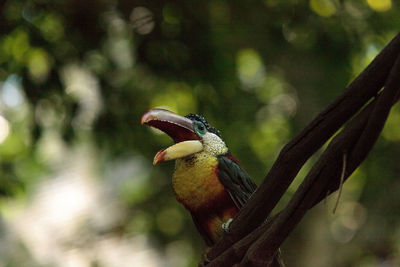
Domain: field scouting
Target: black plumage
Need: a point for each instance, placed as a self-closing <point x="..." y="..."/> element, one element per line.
<point x="236" y="181"/>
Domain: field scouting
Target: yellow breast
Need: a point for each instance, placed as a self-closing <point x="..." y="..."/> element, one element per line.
<point x="195" y="181"/>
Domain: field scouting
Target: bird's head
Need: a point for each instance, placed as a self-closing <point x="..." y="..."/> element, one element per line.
<point x="191" y="134"/>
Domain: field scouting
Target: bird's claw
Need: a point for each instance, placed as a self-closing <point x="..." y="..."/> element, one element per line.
<point x="225" y="225"/>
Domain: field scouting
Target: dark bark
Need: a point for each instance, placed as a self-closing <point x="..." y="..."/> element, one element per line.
<point x="255" y="245"/>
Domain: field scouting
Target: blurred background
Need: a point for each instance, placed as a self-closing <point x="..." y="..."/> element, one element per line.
<point x="77" y="185"/>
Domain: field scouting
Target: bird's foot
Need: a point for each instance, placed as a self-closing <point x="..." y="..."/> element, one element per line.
<point x="225" y="225"/>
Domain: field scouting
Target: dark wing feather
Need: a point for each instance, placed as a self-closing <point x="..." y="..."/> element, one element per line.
<point x="235" y="180"/>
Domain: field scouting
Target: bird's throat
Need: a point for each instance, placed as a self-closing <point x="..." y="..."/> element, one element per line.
<point x="195" y="181"/>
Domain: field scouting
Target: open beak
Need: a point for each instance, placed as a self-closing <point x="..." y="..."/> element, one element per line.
<point x="179" y="128"/>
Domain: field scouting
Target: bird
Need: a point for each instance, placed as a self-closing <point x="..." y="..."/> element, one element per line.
<point x="208" y="180"/>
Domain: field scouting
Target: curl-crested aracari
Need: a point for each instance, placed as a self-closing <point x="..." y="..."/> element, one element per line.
<point x="207" y="179"/>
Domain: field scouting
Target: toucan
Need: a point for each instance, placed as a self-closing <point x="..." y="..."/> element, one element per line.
<point x="207" y="179"/>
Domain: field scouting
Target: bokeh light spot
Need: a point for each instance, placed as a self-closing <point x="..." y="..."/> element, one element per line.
<point x="4" y="129"/>
<point x="380" y="5"/>
<point x="269" y="136"/>
<point x="250" y="68"/>
<point x="38" y="65"/>
<point x="351" y="216"/>
<point x="142" y="20"/>
<point x="11" y="92"/>
<point x="16" y="44"/>
<point x="324" y="8"/>
<point x="177" y="97"/>
<point x="51" y="27"/>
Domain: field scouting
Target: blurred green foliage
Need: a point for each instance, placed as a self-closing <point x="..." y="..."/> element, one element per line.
<point x="78" y="75"/>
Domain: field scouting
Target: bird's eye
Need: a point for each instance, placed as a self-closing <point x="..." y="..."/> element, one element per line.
<point x="199" y="128"/>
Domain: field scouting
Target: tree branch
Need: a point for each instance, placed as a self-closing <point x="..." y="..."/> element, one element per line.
<point x="296" y="153"/>
<point x="357" y="140"/>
